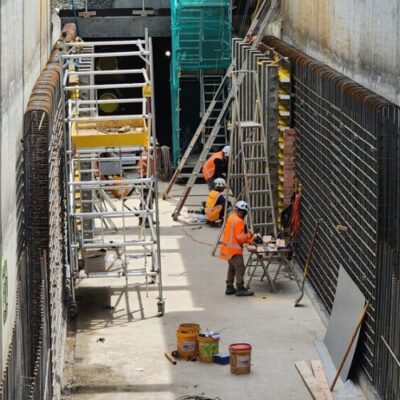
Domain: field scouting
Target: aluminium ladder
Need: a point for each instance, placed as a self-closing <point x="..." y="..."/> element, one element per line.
<point x="248" y="169"/>
<point x="263" y="14"/>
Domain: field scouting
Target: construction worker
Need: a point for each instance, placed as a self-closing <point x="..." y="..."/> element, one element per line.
<point x="233" y="239"/>
<point x="215" y="205"/>
<point x="216" y="166"/>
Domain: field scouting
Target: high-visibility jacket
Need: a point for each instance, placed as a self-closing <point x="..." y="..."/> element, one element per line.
<point x="212" y="210"/>
<point x="234" y="237"/>
<point x="209" y="166"/>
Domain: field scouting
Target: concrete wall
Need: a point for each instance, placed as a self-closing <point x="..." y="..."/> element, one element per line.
<point x="359" y="38"/>
<point x="25" y="47"/>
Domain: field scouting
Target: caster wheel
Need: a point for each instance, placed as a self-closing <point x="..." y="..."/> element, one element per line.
<point x="161" y="308"/>
<point x="73" y="311"/>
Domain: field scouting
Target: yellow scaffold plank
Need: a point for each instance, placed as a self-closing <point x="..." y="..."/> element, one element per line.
<point x="122" y="133"/>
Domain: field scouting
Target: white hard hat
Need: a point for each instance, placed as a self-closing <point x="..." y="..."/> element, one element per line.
<point x="242" y="205"/>
<point x="226" y="150"/>
<point x="220" y="183"/>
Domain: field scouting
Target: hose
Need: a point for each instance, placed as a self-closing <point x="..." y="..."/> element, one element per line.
<point x="165" y="169"/>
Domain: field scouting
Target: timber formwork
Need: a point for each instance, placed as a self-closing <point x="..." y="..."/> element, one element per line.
<point x="347" y="159"/>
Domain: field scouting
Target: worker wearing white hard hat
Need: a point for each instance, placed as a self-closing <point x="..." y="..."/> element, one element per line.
<point x="234" y="238"/>
<point x="216" y="166"/>
<point x="216" y="202"/>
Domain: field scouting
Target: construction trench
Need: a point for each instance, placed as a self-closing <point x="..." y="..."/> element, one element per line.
<point x="120" y="290"/>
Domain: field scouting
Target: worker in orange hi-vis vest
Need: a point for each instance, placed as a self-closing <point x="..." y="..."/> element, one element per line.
<point x="216" y="166"/>
<point x="216" y="203"/>
<point x="233" y="239"/>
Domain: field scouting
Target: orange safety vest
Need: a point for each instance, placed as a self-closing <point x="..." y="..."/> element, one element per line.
<point x="212" y="211"/>
<point x="209" y="166"/>
<point x="234" y="237"/>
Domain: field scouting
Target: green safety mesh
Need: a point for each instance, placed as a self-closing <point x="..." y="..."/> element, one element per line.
<point x="201" y="40"/>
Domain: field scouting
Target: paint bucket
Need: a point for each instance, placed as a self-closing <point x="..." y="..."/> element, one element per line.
<point x="240" y="358"/>
<point x="186" y="337"/>
<point x="208" y="348"/>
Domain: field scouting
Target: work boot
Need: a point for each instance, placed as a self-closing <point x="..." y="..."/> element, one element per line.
<point x="243" y="291"/>
<point x="230" y="289"/>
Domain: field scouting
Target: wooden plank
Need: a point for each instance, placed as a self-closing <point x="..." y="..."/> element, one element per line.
<point x="319" y="373"/>
<point x="313" y="384"/>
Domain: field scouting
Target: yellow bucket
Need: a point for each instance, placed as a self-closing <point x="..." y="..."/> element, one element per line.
<point x="187" y="345"/>
<point x="240" y="358"/>
<point x="208" y="348"/>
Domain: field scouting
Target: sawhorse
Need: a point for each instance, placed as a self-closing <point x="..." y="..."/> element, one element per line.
<point x="262" y="256"/>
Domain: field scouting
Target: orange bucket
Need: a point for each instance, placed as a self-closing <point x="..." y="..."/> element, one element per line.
<point x="208" y="348"/>
<point x="240" y="358"/>
<point x="187" y="345"/>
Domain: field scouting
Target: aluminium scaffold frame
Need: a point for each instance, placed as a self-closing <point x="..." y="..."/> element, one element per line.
<point x="104" y="206"/>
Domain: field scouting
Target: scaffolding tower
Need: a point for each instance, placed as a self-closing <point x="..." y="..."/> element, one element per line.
<point x="113" y="226"/>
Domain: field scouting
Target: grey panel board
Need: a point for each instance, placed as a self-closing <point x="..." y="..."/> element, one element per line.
<point x="347" y="307"/>
<point x="122" y="27"/>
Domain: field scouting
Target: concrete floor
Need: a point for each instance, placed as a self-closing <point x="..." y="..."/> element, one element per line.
<point x="117" y="352"/>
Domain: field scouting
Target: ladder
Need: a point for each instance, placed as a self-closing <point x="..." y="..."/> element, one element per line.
<point x="248" y="169"/>
<point x="263" y="14"/>
<point x="249" y="176"/>
<point x="208" y="86"/>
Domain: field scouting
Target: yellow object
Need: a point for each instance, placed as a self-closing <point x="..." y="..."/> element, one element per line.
<point x="208" y="348"/>
<point x="110" y="107"/>
<point x="146" y="90"/>
<point x="187" y="344"/>
<point x="107" y="63"/>
<point x="95" y="134"/>
<point x="212" y="211"/>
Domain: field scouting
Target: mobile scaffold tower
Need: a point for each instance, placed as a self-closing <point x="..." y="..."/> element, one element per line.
<point x="113" y="226"/>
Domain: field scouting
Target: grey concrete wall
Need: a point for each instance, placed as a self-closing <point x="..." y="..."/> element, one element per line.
<point x="25" y="47"/>
<point x="359" y="38"/>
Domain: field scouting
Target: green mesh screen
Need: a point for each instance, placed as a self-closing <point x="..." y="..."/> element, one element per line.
<point x="201" y="39"/>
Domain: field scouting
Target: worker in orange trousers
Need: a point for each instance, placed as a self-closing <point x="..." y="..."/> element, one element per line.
<point x="233" y="239"/>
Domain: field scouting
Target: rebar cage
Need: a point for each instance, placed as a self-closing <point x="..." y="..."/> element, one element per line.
<point x="113" y="226"/>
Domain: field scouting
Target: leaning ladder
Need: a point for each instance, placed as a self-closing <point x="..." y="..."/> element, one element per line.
<point x="263" y="14"/>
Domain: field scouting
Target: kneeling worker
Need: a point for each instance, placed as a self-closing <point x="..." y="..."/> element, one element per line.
<point x="215" y="205"/>
<point x="233" y="239"/>
<point x="216" y="166"/>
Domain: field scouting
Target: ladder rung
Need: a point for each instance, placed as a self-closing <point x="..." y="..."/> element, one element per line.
<point x="255" y="159"/>
<point x="250" y="124"/>
<point x="257" y="142"/>
<point x="264" y="223"/>
<point x="258" y="191"/>
<point x="261" y="208"/>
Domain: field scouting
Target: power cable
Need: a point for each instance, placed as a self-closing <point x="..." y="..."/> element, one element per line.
<point x="197" y="397"/>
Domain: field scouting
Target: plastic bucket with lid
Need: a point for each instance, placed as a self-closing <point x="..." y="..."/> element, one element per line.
<point x="208" y="348"/>
<point x="240" y="358"/>
<point x="187" y="345"/>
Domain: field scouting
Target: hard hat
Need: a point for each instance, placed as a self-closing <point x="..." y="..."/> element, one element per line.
<point x="226" y="150"/>
<point x="242" y="205"/>
<point x="220" y="183"/>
